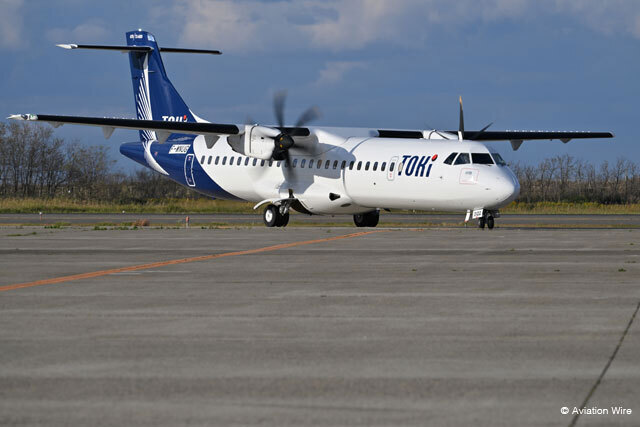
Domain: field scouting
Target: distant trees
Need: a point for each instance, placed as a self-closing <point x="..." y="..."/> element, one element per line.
<point x="567" y="179"/>
<point x="33" y="163"/>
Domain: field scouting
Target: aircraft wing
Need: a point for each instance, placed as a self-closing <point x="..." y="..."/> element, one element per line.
<point x="163" y="129"/>
<point x="519" y="135"/>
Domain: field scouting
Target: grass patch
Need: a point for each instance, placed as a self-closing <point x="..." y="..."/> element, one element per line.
<point x="563" y="208"/>
<point x="163" y="206"/>
<point x="209" y="206"/>
<point x="21" y="234"/>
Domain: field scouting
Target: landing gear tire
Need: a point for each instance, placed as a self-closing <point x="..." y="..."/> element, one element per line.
<point x="271" y="216"/>
<point x="369" y="219"/>
<point x="481" y="223"/>
<point x="284" y="220"/>
<point x="490" y="222"/>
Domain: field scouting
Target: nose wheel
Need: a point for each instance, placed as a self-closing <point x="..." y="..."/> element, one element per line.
<point x="486" y="220"/>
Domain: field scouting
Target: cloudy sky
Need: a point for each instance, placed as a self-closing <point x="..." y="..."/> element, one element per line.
<point x="523" y="64"/>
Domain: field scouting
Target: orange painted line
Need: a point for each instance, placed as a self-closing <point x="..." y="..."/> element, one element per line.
<point x="93" y="274"/>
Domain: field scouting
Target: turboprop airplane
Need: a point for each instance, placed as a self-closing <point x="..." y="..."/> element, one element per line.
<point x="313" y="170"/>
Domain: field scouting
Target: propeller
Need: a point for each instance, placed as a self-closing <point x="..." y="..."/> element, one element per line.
<point x="461" y="127"/>
<point x="284" y="141"/>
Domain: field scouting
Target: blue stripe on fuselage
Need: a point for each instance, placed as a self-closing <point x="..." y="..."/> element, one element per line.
<point x="174" y="165"/>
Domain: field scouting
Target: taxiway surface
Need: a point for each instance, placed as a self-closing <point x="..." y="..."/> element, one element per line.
<point x="398" y="327"/>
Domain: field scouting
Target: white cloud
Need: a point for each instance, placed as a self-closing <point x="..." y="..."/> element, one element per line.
<point x="334" y="71"/>
<point x="11" y="23"/>
<point x="88" y="32"/>
<point x="340" y="25"/>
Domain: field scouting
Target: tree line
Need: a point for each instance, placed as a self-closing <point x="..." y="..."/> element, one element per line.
<point x="34" y="163"/>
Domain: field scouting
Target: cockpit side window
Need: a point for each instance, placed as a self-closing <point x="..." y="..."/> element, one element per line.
<point x="463" y="159"/>
<point x="481" y="158"/>
<point x="449" y="159"/>
<point x="499" y="160"/>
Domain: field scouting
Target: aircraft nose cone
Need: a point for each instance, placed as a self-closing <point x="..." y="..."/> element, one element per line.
<point x="507" y="189"/>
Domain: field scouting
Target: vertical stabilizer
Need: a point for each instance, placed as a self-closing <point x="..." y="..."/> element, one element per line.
<point x="155" y="96"/>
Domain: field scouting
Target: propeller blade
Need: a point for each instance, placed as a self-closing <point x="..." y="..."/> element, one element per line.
<point x="461" y="127"/>
<point x="279" y="99"/>
<point x="475" y="135"/>
<point x="289" y="165"/>
<point x="312" y="113"/>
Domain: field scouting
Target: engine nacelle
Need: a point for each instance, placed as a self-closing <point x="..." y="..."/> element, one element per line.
<point x="256" y="141"/>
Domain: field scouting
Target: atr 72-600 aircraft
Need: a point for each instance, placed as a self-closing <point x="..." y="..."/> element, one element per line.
<point x="313" y="170"/>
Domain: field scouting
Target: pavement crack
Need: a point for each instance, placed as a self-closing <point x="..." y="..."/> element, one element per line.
<point x="606" y="367"/>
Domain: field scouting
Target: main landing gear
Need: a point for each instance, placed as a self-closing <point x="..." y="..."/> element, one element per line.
<point x="275" y="216"/>
<point x="369" y="219"/>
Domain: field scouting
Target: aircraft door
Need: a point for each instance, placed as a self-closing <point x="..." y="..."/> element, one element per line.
<point x="391" y="170"/>
<point x="188" y="170"/>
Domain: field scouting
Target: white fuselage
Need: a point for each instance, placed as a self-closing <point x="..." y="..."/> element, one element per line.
<point x="344" y="175"/>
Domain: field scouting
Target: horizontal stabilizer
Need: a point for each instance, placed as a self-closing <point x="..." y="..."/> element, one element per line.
<point x="137" y="48"/>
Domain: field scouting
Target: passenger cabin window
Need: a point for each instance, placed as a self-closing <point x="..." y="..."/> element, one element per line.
<point x="209" y="160"/>
<point x="359" y="165"/>
<point x="366" y="166"/>
<point x="481" y="158"/>
<point x="343" y="165"/>
<point x="224" y="160"/>
<point x="463" y="159"/>
<point x="335" y="164"/>
<point x="392" y="166"/>
<point x="499" y="160"/>
<point x="255" y="162"/>
<point x="326" y="164"/>
<point x="295" y="162"/>
<point x="351" y="163"/>
<point x="262" y="162"/>
<point x="231" y="161"/>
<point x="383" y="166"/>
<point x="202" y="160"/>
<point x="310" y="163"/>
<point x="239" y="161"/>
<point x="302" y="162"/>
<point x="270" y="162"/>
<point x="449" y="160"/>
<point x="246" y="161"/>
<point x="217" y="160"/>
<point x="375" y="166"/>
<point x="319" y="163"/>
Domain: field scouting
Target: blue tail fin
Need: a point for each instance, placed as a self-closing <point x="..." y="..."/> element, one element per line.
<point x="155" y="96"/>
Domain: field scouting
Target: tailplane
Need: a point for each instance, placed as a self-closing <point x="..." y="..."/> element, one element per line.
<point x="155" y="96"/>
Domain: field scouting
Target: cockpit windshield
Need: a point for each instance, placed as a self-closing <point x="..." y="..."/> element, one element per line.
<point x="463" y="159"/>
<point x="481" y="158"/>
<point x="499" y="160"/>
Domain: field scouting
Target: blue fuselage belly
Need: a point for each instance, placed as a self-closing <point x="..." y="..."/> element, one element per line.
<point x="174" y="164"/>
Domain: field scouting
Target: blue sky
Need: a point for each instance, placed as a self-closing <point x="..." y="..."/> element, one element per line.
<point x="524" y="64"/>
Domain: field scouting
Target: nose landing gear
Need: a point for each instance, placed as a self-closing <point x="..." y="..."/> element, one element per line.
<point x="488" y="219"/>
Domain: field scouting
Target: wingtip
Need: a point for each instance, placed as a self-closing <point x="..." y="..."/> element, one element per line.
<point x="68" y="46"/>
<point x="22" y="117"/>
